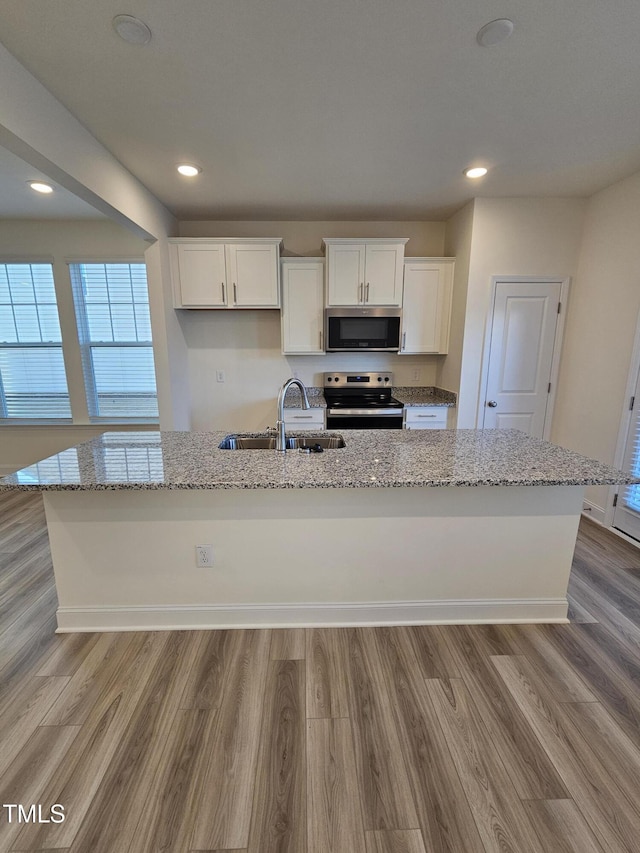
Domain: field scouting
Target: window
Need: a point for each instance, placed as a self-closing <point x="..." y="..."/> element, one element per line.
<point x="33" y="383"/>
<point x="114" y="326"/>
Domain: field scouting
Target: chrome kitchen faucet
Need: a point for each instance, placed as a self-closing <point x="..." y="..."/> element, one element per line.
<point x="280" y="438"/>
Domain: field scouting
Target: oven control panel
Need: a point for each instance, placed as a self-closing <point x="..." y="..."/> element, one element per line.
<point x="358" y="380"/>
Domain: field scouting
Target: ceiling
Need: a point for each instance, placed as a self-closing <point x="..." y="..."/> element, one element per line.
<point x="19" y="201"/>
<point x="345" y="109"/>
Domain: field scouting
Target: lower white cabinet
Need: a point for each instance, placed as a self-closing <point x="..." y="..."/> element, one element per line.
<point x="426" y="305"/>
<point x="304" y="418"/>
<point x="302" y="306"/>
<point x="425" y="417"/>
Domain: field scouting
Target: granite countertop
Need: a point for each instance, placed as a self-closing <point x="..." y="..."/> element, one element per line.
<point x="371" y="459"/>
<point x="427" y="396"/>
<point x="407" y="395"/>
<point x="315" y="396"/>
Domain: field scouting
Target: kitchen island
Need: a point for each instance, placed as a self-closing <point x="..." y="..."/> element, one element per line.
<point x="397" y="527"/>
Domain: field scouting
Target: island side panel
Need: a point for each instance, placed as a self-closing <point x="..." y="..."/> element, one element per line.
<point x="125" y="560"/>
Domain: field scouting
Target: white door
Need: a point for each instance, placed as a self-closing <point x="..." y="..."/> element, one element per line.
<point x="523" y="336"/>
<point x="626" y="516"/>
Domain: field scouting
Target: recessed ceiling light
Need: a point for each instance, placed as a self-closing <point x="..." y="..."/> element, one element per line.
<point x="494" y="32"/>
<point x="476" y="172"/>
<point x="132" y="30"/>
<point x="40" y="187"/>
<point x="189" y="170"/>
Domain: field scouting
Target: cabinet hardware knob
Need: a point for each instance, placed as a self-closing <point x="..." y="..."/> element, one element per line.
<point x="492" y="404"/>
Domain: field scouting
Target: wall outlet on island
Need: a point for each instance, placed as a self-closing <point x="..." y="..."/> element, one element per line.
<point x="204" y="556"/>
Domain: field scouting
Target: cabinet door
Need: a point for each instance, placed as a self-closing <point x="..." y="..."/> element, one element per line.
<point x="383" y="274"/>
<point x="302" y="307"/>
<point x="304" y="418"/>
<point x="426" y="307"/>
<point x="345" y="274"/>
<point x="253" y="275"/>
<point x="202" y="275"/>
<point x="425" y="417"/>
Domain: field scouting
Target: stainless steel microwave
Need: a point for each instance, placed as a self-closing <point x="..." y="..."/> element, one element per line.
<point x="362" y="329"/>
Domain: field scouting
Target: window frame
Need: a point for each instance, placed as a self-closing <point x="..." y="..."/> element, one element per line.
<point x="58" y="346"/>
<point x="86" y="345"/>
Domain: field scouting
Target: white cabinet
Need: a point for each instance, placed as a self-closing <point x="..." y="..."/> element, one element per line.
<point x="302" y="306"/>
<point x="225" y="273"/>
<point x="425" y="417"/>
<point x="304" y="418"/>
<point x="364" y="272"/>
<point x="426" y="306"/>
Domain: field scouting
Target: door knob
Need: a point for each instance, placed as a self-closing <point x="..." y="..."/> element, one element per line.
<point x="492" y="404"/>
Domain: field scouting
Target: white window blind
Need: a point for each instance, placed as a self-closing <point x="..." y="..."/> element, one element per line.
<point x="114" y="326"/>
<point x="33" y="383"/>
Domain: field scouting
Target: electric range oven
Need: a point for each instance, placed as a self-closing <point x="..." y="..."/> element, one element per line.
<point x="361" y="401"/>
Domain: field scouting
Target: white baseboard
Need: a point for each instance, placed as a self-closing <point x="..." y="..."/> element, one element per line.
<point x="594" y="512"/>
<point x="78" y="619"/>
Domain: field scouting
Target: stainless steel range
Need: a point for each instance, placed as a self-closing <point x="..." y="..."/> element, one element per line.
<point x="361" y="401"/>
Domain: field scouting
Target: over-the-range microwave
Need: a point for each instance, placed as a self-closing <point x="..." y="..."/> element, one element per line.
<point x="362" y="329"/>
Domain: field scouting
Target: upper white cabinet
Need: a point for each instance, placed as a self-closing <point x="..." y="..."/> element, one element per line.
<point x="225" y="273"/>
<point x="426" y="307"/>
<point x="364" y="272"/>
<point x="302" y="305"/>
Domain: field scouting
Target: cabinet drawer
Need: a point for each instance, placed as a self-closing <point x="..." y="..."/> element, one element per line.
<point x="425" y="417"/>
<point x="304" y="418"/>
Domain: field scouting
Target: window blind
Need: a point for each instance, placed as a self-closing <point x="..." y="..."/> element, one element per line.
<point x="114" y="327"/>
<point x="33" y="383"/>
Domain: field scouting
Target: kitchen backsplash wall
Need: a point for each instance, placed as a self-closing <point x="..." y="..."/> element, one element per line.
<point x="246" y="347"/>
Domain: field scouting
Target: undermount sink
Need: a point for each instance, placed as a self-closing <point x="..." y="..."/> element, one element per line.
<point x="326" y="441"/>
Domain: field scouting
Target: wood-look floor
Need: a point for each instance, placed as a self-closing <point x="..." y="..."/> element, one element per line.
<point x="387" y="740"/>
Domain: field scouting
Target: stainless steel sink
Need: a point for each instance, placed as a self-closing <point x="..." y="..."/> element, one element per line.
<point x="326" y="441"/>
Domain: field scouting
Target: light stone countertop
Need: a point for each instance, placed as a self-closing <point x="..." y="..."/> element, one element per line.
<point x="423" y="396"/>
<point x="407" y="395"/>
<point x="371" y="459"/>
<point x="315" y="396"/>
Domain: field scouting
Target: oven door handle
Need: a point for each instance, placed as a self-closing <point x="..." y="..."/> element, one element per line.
<point x="364" y="413"/>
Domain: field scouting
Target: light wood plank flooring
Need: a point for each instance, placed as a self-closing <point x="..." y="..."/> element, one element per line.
<point x="389" y="740"/>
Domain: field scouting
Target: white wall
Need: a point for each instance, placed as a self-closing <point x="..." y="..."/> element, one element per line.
<point x="458" y="237"/>
<point x="519" y="237"/>
<point x="426" y="239"/>
<point x="601" y="327"/>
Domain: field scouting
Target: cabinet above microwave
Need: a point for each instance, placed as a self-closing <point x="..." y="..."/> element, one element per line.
<point x="364" y="272"/>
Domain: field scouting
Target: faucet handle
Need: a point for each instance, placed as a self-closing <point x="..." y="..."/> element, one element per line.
<point x="271" y="429"/>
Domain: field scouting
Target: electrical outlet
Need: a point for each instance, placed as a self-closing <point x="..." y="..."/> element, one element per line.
<point x="416" y="374"/>
<point x="219" y="375"/>
<point x="204" y="556"/>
